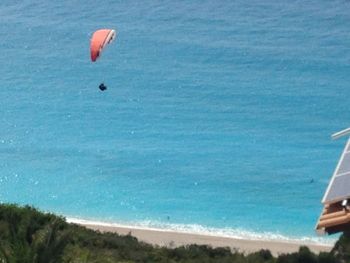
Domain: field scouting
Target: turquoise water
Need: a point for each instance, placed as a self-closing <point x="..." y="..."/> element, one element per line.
<point x="217" y="115"/>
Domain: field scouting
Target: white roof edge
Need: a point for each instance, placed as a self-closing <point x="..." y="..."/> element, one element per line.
<point x="341" y="133"/>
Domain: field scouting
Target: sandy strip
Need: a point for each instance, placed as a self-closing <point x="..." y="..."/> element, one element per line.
<point x="174" y="239"/>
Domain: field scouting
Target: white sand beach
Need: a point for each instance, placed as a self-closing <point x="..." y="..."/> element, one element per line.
<point x="171" y="238"/>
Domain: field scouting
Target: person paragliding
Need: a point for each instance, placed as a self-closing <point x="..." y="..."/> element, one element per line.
<point x="102" y="87"/>
<point x="99" y="40"/>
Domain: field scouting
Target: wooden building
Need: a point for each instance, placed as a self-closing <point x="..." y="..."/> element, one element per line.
<point x="335" y="216"/>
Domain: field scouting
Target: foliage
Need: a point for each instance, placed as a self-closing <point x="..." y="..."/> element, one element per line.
<point x="27" y="235"/>
<point x="341" y="249"/>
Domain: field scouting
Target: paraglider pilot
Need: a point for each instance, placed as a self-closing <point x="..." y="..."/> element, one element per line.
<point x="102" y="87"/>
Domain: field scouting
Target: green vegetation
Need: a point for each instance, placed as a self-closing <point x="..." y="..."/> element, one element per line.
<point x="27" y="235"/>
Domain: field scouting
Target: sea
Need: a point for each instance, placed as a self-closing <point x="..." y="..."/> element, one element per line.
<point x="217" y="117"/>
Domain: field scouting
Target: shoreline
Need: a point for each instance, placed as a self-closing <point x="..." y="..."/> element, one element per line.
<point x="175" y="238"/>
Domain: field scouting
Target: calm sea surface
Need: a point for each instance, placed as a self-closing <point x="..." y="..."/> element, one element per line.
<point x="217" y="117"/>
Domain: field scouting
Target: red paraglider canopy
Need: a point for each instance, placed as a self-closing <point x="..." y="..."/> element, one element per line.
<point x="99" y="41"/>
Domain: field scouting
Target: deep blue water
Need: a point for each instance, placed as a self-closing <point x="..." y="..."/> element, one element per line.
<point x="217" y="114"/>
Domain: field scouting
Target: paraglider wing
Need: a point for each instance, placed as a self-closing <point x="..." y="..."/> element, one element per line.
<point x="100" y="39"/>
